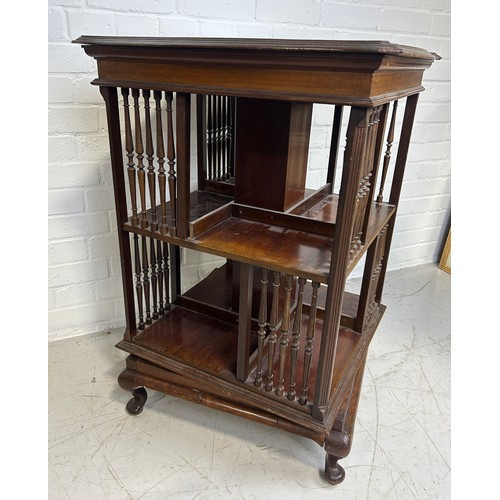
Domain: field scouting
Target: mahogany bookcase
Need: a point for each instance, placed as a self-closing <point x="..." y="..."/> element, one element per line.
<point x="271" y="335"/>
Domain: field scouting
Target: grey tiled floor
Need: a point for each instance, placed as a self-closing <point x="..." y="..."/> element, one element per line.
<point x="180" y="450"/>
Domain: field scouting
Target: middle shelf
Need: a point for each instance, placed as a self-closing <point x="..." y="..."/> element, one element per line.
<point x="289" y="243"/>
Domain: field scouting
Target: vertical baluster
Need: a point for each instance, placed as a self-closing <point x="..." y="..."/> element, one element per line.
<point x="145" y="279"/>
<point x="294" y="349"/>
<point x="160" y="152"/>
<point x="210" y="137"/>
<point x="224" y="136"/>
<point x="172" y="180"/>
<point x="129" y="147"/>
<point x="159" y="260"/>
<point x="166" y="273"/>
<point x="141" y="173"/>
<point x="371" y="169"/>
<point x="232" y="103"/>
<point x="285" y="326"/>
<point x="150" y="152"/>
<point x="387" y="155"/>
<point x="219" y="138"/>
<point x="154" y="277"/>
<point x="214" y="137"/>
<point x="138" y="282"/>
<point x="308" y="351"/>
<point x="261" y="335"/>
<point x="362" y="197"/>
<point x="273" y="323"/>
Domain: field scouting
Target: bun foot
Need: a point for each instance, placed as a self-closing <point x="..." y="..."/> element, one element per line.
<point x="334" y="472"/>
<point x="136" y="404"/>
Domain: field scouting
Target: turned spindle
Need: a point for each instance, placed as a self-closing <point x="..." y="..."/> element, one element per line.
<point x="145" y="280"/>
<point x="285" y="326"/>
<point x="308" y="351"/>
<point x="129" y="147"/>
<point x="159" y="259"/>
<point x="273" y="324"/>
<point x="261" y="335"/>
<point x="224" y="136"/>
<point x="218" y="117"/>
<point x="166" y="272"/>
<point x="294" y="348"/>
<point x="150" y="157"/>
<point x="141" y="173"/>
<point x="160" y="152"/>
<point x="172" y="180"/>
<point x="138" y="282"/>
<point x="230" y="135"/>
<point x="154" y="277"/>
<point x="387" y="155"/>
<point x="210" y="138"/>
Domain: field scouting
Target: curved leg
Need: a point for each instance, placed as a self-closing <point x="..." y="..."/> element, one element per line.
<point x="136" y="404"/>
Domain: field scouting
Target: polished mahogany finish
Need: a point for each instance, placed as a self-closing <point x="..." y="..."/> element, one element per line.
<point x="272" y="140"/>
<point x="271" y="335"/>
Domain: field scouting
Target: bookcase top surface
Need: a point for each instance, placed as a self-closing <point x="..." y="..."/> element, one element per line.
<point x="380" y="47"/>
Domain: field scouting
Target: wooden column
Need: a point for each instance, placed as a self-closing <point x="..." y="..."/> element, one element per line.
<point x="183" y="133"/>
<point x="334" y="146"/>
<point x="244" y="321"/>
<point x="397" y="180"/>
<point x="110" y="96"/>
<point x="201" y="139"/>
<point x="351" y="176"/>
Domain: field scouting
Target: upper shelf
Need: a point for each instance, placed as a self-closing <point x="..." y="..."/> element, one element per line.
<point x="358" y="72"/>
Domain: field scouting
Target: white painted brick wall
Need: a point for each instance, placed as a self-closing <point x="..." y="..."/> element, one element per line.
<point x="85" y="292"/>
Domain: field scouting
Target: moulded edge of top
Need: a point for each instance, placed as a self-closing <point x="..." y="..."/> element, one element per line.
<point x="380" y="47"/>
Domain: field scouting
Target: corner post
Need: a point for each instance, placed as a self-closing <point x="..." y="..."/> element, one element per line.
<point x="354" y="159"/>
<point x="110" y="96"/>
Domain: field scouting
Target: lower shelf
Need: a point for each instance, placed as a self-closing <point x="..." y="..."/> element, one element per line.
<point x="202" y="351"/>
<point x="194" y="339"/>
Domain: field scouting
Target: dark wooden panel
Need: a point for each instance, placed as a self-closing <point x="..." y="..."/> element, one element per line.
<point x="272" y="139"/>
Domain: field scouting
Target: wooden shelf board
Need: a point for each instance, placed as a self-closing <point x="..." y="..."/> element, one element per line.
<point x="194" y="339"/>
<point x="269" y="245"/>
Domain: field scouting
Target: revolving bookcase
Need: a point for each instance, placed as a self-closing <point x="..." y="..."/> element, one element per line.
<point x="271" y="334"/>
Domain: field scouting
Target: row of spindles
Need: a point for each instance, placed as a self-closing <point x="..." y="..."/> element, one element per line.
<point x="152" y="279"/>
<point x="363" y="196"/>
<point x="286" y="383"/>
<point x="144" y="178"/>
<point x="220" y="134"/>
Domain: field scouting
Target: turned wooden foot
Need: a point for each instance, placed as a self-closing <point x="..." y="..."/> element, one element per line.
<point x="136" y="404"/>
<point x="334" y="472"/>
<point x="337" y="446"/>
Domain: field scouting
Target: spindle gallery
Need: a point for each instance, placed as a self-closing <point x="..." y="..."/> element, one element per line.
<point x="270" y="335"/>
